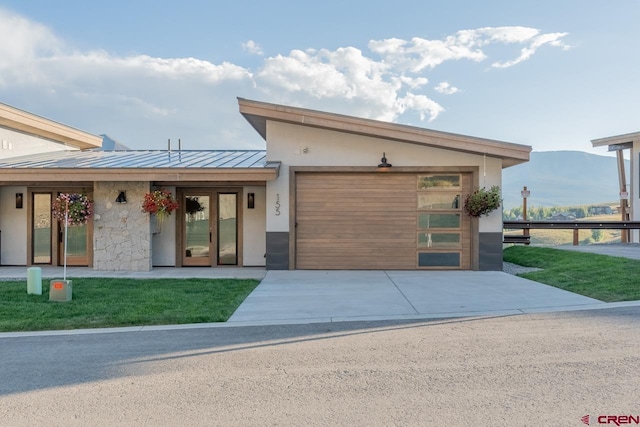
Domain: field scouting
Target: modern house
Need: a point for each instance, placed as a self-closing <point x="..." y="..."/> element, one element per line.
<point x="329" y="192"/>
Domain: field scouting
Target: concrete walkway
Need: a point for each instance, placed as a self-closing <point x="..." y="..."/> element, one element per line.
<point x="20" y="273"/>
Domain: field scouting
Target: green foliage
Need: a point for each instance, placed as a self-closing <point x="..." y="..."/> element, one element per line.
<point x="109" y="302"/>
<point x="596" y="234"/>
<point x="602" y="277"/>
<point x="482" y="201"/>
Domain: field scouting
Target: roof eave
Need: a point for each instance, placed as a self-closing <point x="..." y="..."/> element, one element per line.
<point x="616" y="139"/>
<point x="258" y="113"/>
<point x="22" y="121"/>
<point x="269" y="173"/>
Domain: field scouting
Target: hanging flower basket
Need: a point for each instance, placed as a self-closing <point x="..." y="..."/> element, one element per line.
<point x="79" y="205"/>
<point x="193" y="206"/>
<point x="482" y="201"/>
<point x="160" y="203"/>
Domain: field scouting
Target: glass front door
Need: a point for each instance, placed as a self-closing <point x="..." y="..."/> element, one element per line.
<point x="47" y="235"/>
<point x="41" y="242"/>
<point x="227" y="229"/>
<point x="198" y="232"/>
<point x="77" y="253"/>
<point x="210" y="228"/>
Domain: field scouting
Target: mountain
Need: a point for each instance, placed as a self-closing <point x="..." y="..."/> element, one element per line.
<point x="109" y="144"/>
<point x="563" y="178"/>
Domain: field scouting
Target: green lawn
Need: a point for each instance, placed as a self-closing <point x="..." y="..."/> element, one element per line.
<point x="602" y="277"/>
<point x="110" y="302"/>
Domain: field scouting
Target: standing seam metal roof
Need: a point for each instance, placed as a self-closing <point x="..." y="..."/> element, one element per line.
<point x="141" y="159"/>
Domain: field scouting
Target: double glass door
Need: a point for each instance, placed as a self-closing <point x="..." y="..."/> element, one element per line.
<point x="209" y="228"/>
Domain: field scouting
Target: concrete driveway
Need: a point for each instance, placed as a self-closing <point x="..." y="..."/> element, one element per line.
<point x="304" y="296"/>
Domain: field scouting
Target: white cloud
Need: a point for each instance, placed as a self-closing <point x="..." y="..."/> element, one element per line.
<point x="552" y="39"/>
<point x="152" y="98"/>
<point x="420" y="54"/>
<point x="22" y="40"/>
<point x="252" y="47"/>
<point x="446" y="88"/>
<point x="422" y="104"/>
<point x="348" y="75"/>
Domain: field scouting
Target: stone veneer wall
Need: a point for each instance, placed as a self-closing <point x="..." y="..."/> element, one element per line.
<point x="121" y="232"/>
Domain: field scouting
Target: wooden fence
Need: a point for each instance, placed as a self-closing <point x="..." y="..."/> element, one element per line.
<point x="525" y="226"/>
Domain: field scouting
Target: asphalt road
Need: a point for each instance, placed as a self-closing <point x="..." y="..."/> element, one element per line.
<point x="525" y="370"/>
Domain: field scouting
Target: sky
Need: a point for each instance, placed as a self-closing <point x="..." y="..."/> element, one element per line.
<point x="550" y="74"/>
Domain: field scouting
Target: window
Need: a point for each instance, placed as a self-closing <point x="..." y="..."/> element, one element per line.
<point x="439" y="241"/>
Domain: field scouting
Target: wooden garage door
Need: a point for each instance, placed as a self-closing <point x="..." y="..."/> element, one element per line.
<point x="355" y="221"/>
<point x="380" y="221"/>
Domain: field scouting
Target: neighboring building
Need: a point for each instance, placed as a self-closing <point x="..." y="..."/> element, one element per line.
<point x="316" y="198"/>
<point x="562" y="216"/>
<point x="600" y="210"/>
<point x="629" y="195"/>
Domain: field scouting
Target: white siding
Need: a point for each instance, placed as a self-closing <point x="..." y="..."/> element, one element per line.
<point x="254" y="232"/>
<point x="164" y="243"/>
<point x="13" y="225"/>
<point x="15" y="144"/>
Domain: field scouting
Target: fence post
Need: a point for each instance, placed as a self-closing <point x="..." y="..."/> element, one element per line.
<point x="575" y="237"/>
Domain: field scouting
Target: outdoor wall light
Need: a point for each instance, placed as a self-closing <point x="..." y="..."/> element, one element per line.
<point x="383" y="162"/>
<point x="251" y="200"/>
<point x="122" y="197"/>
<point x="18" y="200"/>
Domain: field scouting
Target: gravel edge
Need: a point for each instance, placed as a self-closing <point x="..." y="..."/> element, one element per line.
<point x="516" y="269"/>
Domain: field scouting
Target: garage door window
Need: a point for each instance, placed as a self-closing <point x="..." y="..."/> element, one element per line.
<point x="439" y="200"/>
<point x="439" y="220"/>
<point x="432" y="182"/>
<point x="438" y="240"/>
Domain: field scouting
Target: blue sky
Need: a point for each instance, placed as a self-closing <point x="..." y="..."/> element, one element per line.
<point x="550" y="74"/>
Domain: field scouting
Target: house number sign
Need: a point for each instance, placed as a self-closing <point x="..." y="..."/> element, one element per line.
<point x="278" y="204"/>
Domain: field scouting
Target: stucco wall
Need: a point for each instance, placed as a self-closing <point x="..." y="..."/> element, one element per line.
<point x="163" y="241"/>
<point x="13" y="225"/>
<point x="122" y="232"/>
<point x="254" y="232"/>
<point x="305" y="146"/>
<point x="14" y="144"/>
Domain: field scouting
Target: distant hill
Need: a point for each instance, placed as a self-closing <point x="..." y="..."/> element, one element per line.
<point x="109" y="144"/>
<point x="563" y="178"/>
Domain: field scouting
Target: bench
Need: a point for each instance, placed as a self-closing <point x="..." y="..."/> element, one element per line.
<point x="516" y="238"/>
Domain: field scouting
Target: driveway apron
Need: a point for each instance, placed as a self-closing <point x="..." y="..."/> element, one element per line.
<point x="323" y="296"/>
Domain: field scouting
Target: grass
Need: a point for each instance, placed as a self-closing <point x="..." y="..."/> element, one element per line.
<point x="112" y="302"/>
<point x="602" y="277"/>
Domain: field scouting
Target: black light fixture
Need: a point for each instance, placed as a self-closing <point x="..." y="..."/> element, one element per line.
<point x="122" y="197"/>
<point x="383" y="162"/>
<point x="18" y="200"/>
<point x="251" y="200"/>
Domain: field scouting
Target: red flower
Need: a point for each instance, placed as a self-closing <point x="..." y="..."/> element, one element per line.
<point x="159" y="202"/>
